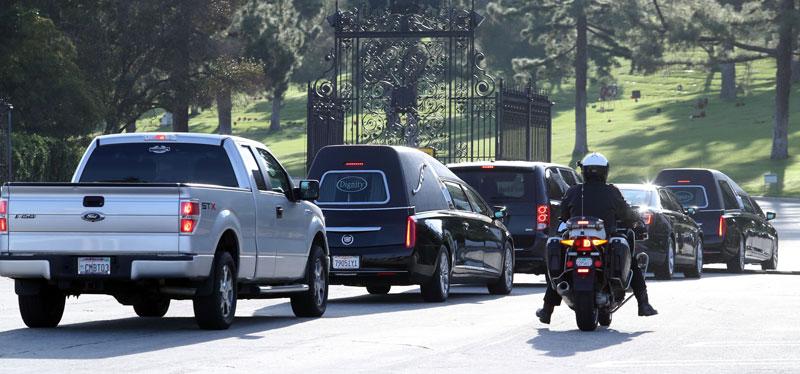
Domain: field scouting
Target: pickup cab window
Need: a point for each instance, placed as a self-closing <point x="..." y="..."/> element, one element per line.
<point x="160" y="163"/>
<point x="275" y="174"/>
<point x="251" y="164"/>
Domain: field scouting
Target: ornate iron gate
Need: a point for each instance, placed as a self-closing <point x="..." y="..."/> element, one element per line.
<point x="407" y="73"/>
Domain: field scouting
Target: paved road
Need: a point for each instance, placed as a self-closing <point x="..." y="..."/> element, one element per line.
<point x="721" y="323"/>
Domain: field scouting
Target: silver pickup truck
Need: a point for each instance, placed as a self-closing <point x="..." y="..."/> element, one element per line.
<point x="149" y="218"/>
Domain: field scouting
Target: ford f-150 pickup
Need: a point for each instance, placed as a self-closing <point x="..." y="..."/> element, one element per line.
<point x="149" y="218"/>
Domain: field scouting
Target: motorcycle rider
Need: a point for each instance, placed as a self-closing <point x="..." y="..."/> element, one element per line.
<point x="596" y="198"/>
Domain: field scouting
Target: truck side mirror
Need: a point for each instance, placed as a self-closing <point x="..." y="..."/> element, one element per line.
<point x="308" y="190"/>
<point x="771" y="216"/>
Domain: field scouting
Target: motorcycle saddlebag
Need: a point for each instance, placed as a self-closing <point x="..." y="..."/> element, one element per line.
<point x="620" y="258"/>
<point x="555" y="257"/>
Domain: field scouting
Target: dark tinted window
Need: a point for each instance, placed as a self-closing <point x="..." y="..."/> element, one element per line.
<point x="278" y="179"/>
<point x="748" y="206"/>
<point x="727" y="196"/>
<point x="160" y="163"/>
<point x="255" y="170"/>
<point x="668" y="202"/>
<point x="478" y="203"/>
<point x="353" y="187"/>
<point x="568" y="177"/>
<point x="690" y="196"/>
<point x="556" y="187"/>
<point x="459" y="198"/>
<point x="500" y="186"/>
<point x="756" y="207"/>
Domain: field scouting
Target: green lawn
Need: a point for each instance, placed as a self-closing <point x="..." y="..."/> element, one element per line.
<point x="640" y="138"/>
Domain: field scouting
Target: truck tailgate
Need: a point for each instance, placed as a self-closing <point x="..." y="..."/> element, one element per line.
<point x="90" y="218"/>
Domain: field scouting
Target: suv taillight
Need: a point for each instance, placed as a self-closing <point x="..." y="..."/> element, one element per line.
<point x="542" y="217"/>
<point x="190" y="215"/>
<point x="411" y="232"/>
<point x="647" y="217"/>
<point x="3" y="216"/>
<point x="723" y="227"/>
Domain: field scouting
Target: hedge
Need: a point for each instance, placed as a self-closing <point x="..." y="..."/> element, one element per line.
<point x="42" y="159"/>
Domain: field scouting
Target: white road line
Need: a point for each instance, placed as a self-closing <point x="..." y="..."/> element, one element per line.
<point x="695" y="363"/>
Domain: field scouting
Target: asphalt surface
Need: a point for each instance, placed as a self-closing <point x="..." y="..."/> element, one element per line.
<point x="721" y="323"/>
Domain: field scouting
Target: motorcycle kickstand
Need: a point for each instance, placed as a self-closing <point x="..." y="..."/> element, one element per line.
<point x="623" y="303"/>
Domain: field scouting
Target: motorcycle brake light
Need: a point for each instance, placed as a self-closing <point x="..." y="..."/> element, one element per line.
<point x="583" y="271"/>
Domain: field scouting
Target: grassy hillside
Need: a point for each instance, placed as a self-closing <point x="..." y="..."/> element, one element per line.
<point x="640" y="137"/>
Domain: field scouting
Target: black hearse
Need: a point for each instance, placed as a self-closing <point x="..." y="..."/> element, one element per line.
<point x="735" y="229"/>
<point x="397" y="216"/>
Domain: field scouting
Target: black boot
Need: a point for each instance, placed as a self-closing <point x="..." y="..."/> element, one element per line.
<point x="544" y="313"/>
<point x="645" y="309"/>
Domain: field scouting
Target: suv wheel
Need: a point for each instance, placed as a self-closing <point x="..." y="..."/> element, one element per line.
<point x="667" y="270"/>
<point x="696" y="271"/>
<point x="772" y="263"/>
<point x="736" y="264"/>
<point x="217" y="310"/>
<point x="312" y="303"/>
<point x="42" y="310"/>
<point x="437" y="289"/>
<point x="505" y="284"/>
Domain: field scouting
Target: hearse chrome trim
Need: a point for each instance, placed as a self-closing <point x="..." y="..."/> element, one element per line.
<point x="353" y="229"/>
<point x="385" y="186"/>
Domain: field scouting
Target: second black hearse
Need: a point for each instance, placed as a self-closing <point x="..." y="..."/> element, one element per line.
<point x="397" y="216"/>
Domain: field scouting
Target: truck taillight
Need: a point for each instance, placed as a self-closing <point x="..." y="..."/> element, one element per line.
<point x="3" y="216"/>
<point x="723" y="227"/>
<point x="190" y="215"/>
<point x="411" y="232"/>
<point x="542" y="217"/>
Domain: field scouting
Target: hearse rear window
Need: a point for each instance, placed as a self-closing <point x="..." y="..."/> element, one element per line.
<point x="690" y="196"/>
<point x="353" y="187"/>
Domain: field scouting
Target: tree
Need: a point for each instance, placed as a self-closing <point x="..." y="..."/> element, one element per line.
<point x="767" y="28"/>
<point x="276" y="33"/>
<point x="40" y="76"/>
<point x="579" y="33"/>
<point x="189" y="47"/>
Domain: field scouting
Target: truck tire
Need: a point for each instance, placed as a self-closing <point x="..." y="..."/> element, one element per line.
<point x="152" y="307"/>
<point x="42" y="310"/>
<point x="505" y="283"/>
<point x="312" y="303"/>
<point x="667" y="269"/>
<point x="379" y="289"/>
<point x="437" y="289"/>
<point x="217" y="310"/>
<point x="586" y="313"/>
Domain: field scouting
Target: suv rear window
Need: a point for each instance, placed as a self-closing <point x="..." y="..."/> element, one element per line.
<point x="160" y="163"/>
<point x="638" y="197"/>
<point x="690" y="196"/>
<point x="353" y="187"/>
<point x="499" y="185"/>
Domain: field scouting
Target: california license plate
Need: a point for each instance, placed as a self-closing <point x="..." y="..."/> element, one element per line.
<point x="346" y="262"/>
<point x="94" y="265"/>
<point x="583" y="262"/>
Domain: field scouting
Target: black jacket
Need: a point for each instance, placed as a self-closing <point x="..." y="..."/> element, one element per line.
<point x="600" y="200"/>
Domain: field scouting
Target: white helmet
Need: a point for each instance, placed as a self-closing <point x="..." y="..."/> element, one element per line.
<point x="594" y="167"/>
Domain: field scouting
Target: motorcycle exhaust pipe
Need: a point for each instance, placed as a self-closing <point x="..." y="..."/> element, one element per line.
<point x="563" y="289"/>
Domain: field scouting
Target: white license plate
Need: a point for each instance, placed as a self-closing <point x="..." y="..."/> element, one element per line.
<point x="94" y="265"/>
<point x="583" y="262"/>
<point x="346" y="262"/>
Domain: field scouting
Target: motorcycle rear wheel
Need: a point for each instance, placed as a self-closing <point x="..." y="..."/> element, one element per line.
<point x="604" y="318"/>
<point x="586" y="313"/>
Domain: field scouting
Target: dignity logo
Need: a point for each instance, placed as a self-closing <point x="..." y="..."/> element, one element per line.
<point x="351" y="184"/>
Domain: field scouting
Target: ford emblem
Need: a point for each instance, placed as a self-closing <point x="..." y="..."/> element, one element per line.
<point x="93" y="217"/>
<point x="347" y="239"/>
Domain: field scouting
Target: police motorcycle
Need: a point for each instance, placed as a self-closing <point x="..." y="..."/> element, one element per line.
<point x="591" y="272"/>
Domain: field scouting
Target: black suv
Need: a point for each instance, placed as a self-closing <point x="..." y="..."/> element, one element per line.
<point x="532" y="193"/>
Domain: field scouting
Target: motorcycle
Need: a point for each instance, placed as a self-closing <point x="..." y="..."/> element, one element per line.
<point x="592" y="272"/>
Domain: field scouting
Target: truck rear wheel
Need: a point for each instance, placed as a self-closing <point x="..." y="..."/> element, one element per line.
<point x="42" y="310"/>
<point x="217" y="310"/>
<point x="312" y="303"/>
<point x="155" y="307"/>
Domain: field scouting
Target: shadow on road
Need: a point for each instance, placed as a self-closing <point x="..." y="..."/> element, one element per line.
<point x="127" y="336"/>
<point x="568" y="343"/>
<point x="406" y="301"/>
